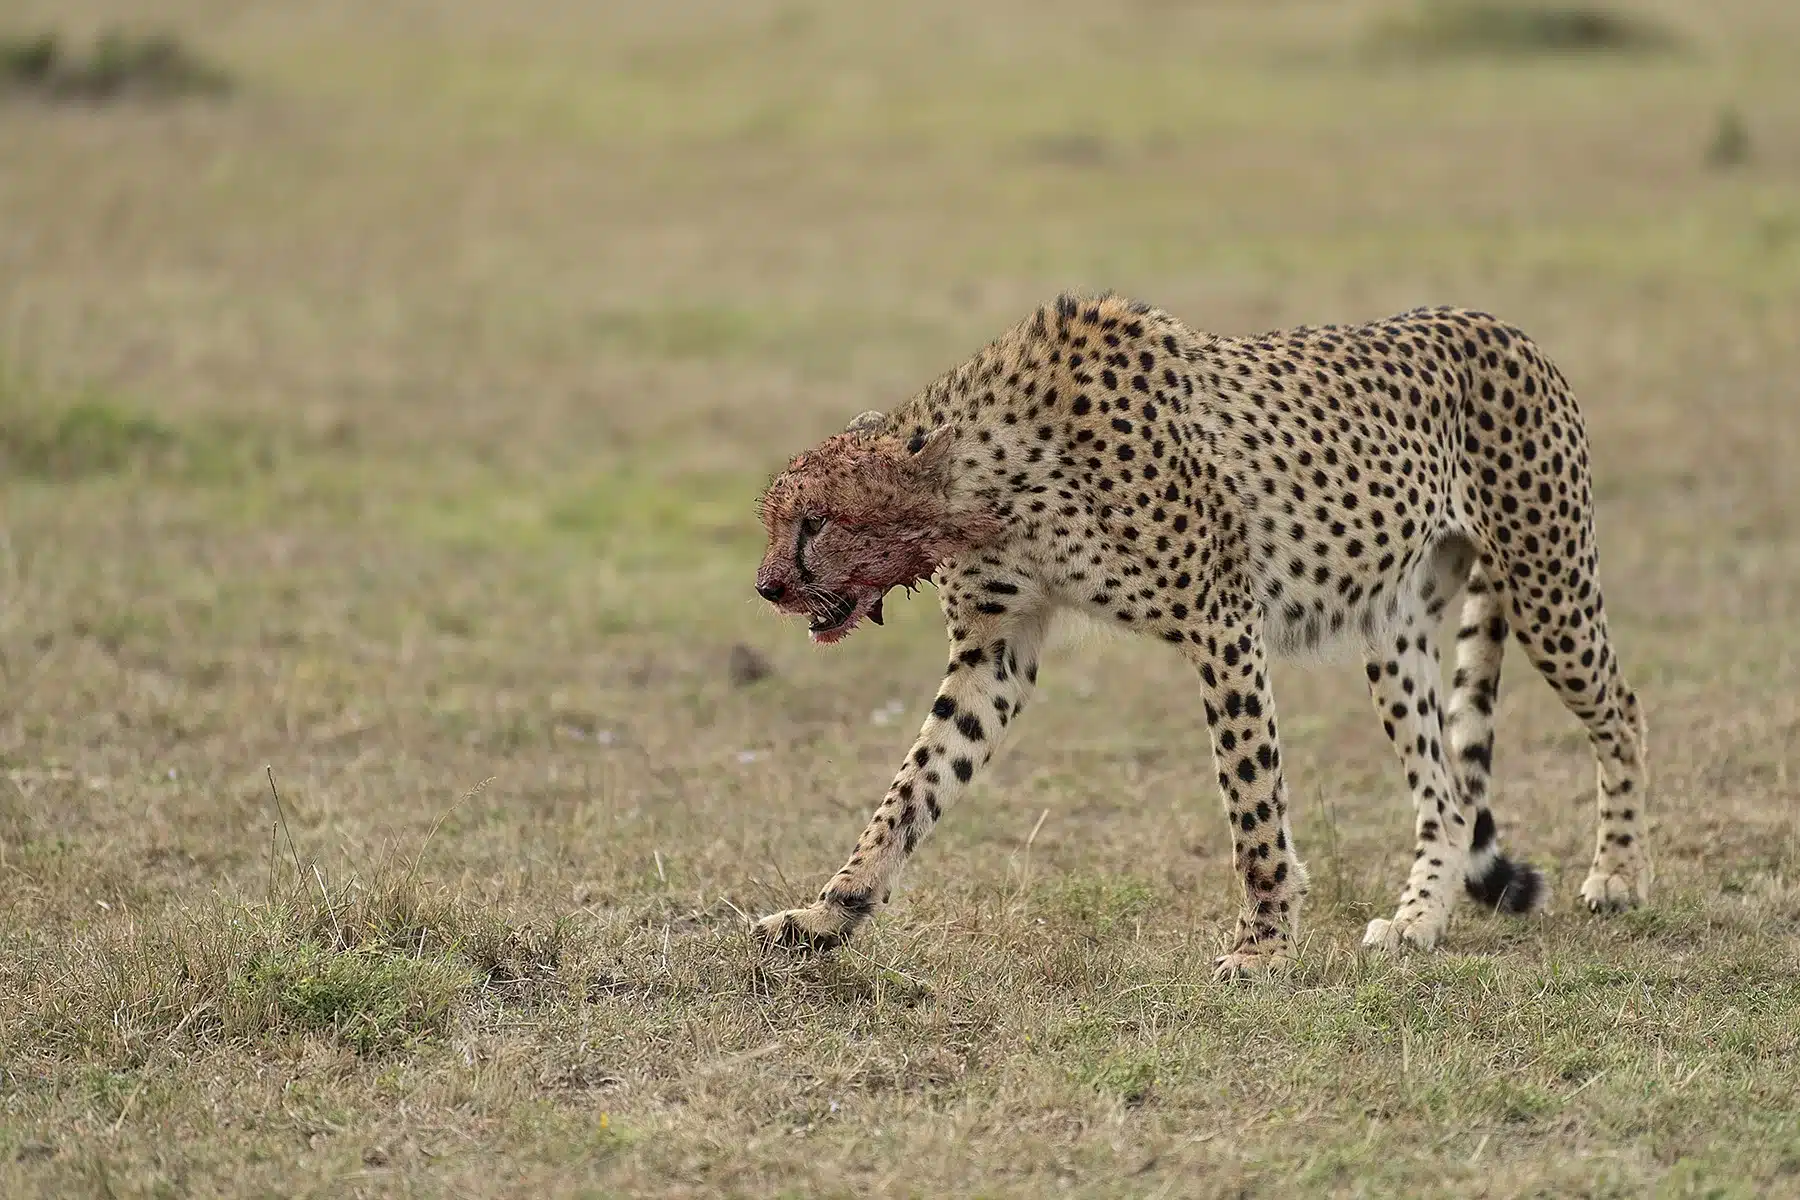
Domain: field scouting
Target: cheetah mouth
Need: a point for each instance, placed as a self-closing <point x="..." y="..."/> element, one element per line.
<point x="841" y="613"/>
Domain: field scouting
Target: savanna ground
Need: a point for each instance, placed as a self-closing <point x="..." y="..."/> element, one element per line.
<point x="393" y="420"/>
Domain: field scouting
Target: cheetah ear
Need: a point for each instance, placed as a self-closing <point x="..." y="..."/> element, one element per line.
<point x="929" y="450"/>
<point x="868" y="422"/>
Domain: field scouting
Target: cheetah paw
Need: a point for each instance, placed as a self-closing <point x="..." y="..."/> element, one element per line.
<point x="815" y="929"/>
<point x="1607" y="892"/>
<point x="1420" y="931"/>
<point x="1251" y="964"/>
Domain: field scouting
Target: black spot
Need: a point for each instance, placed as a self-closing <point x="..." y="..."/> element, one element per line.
<point x="965" y="770"/>
<point x="944" y="708"/>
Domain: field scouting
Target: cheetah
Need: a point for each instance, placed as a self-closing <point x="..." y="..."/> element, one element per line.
<point x="1238" y="498"/>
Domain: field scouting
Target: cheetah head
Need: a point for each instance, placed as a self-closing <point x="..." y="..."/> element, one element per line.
<point x="861" y="513"/>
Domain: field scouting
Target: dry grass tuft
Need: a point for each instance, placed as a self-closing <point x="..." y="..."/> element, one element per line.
<point x="1730" y="145"/>
<point x="377" y="962"/>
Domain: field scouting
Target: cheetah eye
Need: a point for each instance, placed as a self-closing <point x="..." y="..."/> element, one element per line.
<point x="810" y="526"/>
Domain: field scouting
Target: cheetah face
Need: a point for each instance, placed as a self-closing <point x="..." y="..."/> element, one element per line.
<point x="856" y="516"/>
<point x="830" y="571"/>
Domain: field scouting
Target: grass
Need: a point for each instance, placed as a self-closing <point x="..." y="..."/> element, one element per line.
<point x="1730" y="145"/>
<point x="398" y="425"/>
<point x="120" y="65"/>
<point x="1510" y="28"/>
<point x="86" y="438"/>
<point x="374" y="960"/>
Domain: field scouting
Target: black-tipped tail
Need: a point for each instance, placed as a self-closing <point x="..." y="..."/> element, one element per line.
<point x="1507" y="886"/>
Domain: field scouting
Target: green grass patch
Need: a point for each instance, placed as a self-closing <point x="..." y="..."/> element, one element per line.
<point x="375" y="963"/>
<point x="1128" y="1076"/>
<point x="1507" y="29"/>
<point x="1103" y="903"/>
<point x="91" y="436"/>
<point x="60" y="437"/>
<point x="370" y="998"/>
<point x="818" y="343"/>
<point x="636" y="516"/>
<point x="626" y="508"/>
<point x="708" y="331"/>
<point x="118" y="65"/>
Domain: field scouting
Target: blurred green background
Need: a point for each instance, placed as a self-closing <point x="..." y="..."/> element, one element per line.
<point x="384" y="393"/>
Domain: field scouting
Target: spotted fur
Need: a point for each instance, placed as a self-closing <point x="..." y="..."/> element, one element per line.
<point x="1235" y="498"/>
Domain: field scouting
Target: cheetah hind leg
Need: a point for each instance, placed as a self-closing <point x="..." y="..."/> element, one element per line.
<point x="1572" y="651"/>
<point x="1493" y="881"/>
<point x="1621" y="875"/>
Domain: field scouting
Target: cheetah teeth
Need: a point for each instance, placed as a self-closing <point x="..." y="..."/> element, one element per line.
<point x="840" y="611"/>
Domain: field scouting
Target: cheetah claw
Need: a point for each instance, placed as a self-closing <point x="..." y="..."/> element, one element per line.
<point x="1251" y="964"/>
<point x="1610" y="893"/>
<point x="1402" y="934"/>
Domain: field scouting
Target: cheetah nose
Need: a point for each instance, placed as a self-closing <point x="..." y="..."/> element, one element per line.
<point x="771" y="591"/>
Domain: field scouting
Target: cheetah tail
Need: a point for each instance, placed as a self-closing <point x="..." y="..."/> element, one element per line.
<point x="1502" y="885"/>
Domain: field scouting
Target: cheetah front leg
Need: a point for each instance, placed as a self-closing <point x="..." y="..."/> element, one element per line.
<point x="1404" y="686"/>
<point x="993" y="669"/>
<point x="1240" y="713"/>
